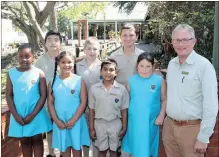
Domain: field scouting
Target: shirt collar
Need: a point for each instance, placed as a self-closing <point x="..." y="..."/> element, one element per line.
<point x="121" y="52"/>
<point x="101" y="85"/>
<point x="84" y="62"/>
<point x="189" y="60"/>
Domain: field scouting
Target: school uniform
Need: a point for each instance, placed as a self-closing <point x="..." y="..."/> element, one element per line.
<point x="26" y="94"/>
<point x="67" y="100"/>
<point x="47" y="65"/>
<point x="108" y="106"/>
<point x="91" y="77"/>
<point x="142" y="136"/>
<point x="126" y="64"/>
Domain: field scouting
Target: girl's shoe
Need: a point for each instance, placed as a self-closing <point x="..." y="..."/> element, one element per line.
<point x="50" y="156"/>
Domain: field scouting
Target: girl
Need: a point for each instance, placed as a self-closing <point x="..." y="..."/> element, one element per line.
<point x="145" y="114"/>
<point x="89" y="69"/>
<point x="67" y="97"/>
<point x="26" y="95"/>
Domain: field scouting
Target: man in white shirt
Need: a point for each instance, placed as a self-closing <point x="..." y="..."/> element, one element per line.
<point x="192" y="100"/>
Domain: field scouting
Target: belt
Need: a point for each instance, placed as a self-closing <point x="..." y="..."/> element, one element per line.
<point x="185" y="122"/>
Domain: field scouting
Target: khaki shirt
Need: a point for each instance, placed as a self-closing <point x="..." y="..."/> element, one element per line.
<point x="108" y="105"/>
<point x="126" y="64"/>
<point x="90" y="76"/>
<point x="192" y="92"/>
<point x="47" y="65"/>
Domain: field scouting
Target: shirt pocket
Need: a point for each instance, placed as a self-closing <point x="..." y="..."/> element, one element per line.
<point x="191" y="86"/>
<point x="116" y="101"/>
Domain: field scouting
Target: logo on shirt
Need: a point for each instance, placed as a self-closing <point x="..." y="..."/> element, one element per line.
<point x="72" y="91"/>
<point x="116" y="100"/>
<point x="33" y="81"/>
<point x="152" y="88"/>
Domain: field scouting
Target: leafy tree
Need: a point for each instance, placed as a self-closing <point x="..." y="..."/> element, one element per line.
<point x="77" y="11"/>
<point x="163" y="16"/>
<point x="28" y="17"/>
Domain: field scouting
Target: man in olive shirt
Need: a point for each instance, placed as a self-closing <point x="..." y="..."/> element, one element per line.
<point x="192" y="100"/>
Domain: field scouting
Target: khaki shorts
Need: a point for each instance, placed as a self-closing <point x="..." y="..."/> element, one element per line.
<point x="107" y="133"/>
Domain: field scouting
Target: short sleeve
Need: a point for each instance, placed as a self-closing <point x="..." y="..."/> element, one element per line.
<point x="91" y="99"/>
<point x="125" y="99"/>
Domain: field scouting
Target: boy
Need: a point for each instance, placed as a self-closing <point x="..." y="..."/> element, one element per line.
<point x="108" y="102"/>
<point x="89" y="69"/>
<point x="127" y="55"/>
<point x="46" y="63"/>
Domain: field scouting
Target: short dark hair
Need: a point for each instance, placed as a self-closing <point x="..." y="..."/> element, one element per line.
<point x="24" y="46"/>
<point x="128" y="26"/>
<point x="145" y="55"/>
<point x="51" y="32"/>
<point x="109" y="61"/>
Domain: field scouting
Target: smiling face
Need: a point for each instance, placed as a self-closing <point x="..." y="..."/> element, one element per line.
<point x="66" y="64"/>
<point x="25" y="58"/>
<point x="53" y="44"/>
<point x="145" y="68"/>
<point x="91" y="51"/>
<point x="128" y="37"/>
<point x="108" y="72"/>
<point x="183" y="42"/>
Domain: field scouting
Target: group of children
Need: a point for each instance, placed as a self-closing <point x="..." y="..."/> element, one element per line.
<point x="118" y="101"/>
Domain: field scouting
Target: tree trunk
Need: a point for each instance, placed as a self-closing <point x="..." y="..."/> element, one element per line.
<point x="34" y="40"/>
<point x="53" y="20"/>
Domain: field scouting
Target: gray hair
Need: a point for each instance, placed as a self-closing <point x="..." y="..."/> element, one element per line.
<point x="184" y="26"/>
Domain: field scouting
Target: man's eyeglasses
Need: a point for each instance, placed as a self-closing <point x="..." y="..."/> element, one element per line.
<point x="183" y="41"/>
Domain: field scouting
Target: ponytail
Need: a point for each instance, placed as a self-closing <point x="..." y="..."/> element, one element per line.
<point x="75" y="66"/>
<point x="54" y="76"/>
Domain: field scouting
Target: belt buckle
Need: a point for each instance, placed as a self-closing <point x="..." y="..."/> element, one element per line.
<point x="178" y="122"/>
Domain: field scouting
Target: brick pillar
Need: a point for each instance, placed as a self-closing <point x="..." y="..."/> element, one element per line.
<point x="86" y="30"/>
<point x="95" y="30"/>
<point x="79" y="33"/>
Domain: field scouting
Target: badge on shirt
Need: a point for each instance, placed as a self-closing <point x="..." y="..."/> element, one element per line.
<point x="152" y="88"/>
<point x="72" y="91"/>
<point x="116" y="100"/>
<point x="185" y="73"/>
<point x="33" y="81"/>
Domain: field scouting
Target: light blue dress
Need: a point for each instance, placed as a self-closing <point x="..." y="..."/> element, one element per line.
<point x="142" y="136"/>
<point x="26" y="94"/>
<point x="67" y="100"/>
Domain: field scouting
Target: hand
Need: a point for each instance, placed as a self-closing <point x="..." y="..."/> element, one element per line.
<point x="61" y="125"/>
<point x="159" y="120"/>
<point x="70" y="124"/>
<point x="28" y="119"/>
<point x="200" y="147"/>
<point x="93" y="134"/>
<point x="19" y="120"/>
<point x="122" y="133"/>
